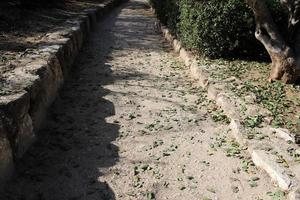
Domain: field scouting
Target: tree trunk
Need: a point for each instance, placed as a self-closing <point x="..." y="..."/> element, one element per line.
<point x="284" y="66"/>
<point x="284" y="56"/>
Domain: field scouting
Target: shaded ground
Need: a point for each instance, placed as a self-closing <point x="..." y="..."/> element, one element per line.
<point x="130" y="125"/>
<point x="23" y="30"/>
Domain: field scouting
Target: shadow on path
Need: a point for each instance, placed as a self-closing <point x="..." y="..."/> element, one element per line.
<point x="76" y="143"/>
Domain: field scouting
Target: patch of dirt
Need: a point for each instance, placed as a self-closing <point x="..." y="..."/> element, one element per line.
<point x="283" y="101"/>
<point x="130" y="124"/>
<point x="22" y="30"/>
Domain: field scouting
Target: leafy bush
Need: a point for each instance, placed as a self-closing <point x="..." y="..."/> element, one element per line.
<point x="217" y="28"/>
<point x="168" y="12"/>
<point x="212" y="27"/>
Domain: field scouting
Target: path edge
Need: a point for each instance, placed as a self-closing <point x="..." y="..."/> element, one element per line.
<point x="23" y="112"/>
<point x="260" y="158"/>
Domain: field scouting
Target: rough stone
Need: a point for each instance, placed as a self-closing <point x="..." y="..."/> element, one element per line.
<point x="169" y="37"/>
<point x="25" y="137"/>
<point x="18" y="123"/>
<point x="6" y="157"/>
<point x="228" y="105"/>
<point x="212" y="92"/>
<point x="265" y="161"/>
<point x="186" y="57"/>
<point x="51" y="79"/>
<point x="177" y="45"/>
<point x="237" y="131"/>
<point x="164" y="30"/>
<point x="199" y="74"/>
<point x="283" y="134"/>
<point x="15" y="106"/>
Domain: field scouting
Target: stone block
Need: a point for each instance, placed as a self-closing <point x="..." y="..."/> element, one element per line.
<point x="6" y="156"/>
<point x="186" y="57"/>
<point x="268" y="163"/>
<point x="177" y="45"/>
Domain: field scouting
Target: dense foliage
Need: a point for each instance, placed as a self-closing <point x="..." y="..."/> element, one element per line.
<point x="216" y="28"/>
<point x="212" y="27"/>
<point x="167" y="11"/>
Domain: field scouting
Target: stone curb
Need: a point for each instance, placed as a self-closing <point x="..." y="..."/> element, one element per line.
<point x="33" y="87"/>
<point x="261" y="159"/>
<point x="230" y="106"/>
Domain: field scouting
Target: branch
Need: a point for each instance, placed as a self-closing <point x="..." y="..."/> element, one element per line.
<point x="266" y="30"/>
<point x="266" y="41"/>
<point x="293" y="7"/>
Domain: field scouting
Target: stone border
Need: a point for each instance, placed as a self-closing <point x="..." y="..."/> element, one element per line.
<point x="287" y="178"/>
<point x="33" y="87"/>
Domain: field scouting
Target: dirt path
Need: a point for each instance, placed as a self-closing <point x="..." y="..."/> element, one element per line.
<point x="130" y="124"/>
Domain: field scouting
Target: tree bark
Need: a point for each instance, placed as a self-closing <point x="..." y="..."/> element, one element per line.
<point x="285" y="65"/>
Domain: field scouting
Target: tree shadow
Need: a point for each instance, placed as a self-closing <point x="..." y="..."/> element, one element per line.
<point x="75" y="147"/>
<point x="75" y="143"/>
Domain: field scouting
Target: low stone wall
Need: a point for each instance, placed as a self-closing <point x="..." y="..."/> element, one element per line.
<point x="27" y="91"/>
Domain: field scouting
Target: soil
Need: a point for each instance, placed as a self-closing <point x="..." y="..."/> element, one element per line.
<point x="130" y="124"/>
<point x="282" y="100"/>
<point x="22" y="30"/>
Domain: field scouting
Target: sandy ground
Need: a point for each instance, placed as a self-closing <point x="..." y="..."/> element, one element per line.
<point x="130" y="124"/>
<point x="24" y="30"/>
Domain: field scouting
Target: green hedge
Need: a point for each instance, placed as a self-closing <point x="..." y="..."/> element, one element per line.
<point x="168" y="12"/>
<point x="214" y="28"/>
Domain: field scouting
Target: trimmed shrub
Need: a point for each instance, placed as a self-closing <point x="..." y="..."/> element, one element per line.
<point x="168" y="12"/>
<point x="214" y="28"/>
<point x="217" y="28"/>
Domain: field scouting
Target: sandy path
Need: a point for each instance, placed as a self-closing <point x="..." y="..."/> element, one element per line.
<point x="129" y="124"/>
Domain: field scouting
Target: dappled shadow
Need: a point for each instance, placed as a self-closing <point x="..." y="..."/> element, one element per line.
<point x="39" y="18"/>
<point x="16" y="46"/>
<point x="25" y="30"/>
<point x="76" y="145"/>
<point x="76" y="141"/>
